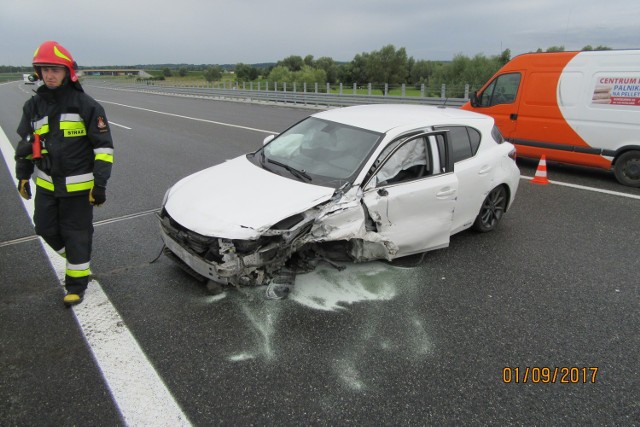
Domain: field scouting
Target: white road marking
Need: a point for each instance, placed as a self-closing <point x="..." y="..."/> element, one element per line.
<point x="138" y="392"/>
<point x="583" y="187"/>
<point x="116" y="124"/>
<point x="190" y="118"/>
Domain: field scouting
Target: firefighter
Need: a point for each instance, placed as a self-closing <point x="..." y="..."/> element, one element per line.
<point x="66" y="147"/>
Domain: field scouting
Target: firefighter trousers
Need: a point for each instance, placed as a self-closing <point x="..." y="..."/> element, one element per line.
<point x="66" y="224"/>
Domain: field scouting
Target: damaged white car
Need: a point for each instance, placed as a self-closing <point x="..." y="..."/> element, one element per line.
<point x="350" y="184"/>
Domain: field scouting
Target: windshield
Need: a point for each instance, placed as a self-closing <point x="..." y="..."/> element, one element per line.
<point x="319" y="151"/>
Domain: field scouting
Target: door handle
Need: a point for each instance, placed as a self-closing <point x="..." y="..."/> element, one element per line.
<point x="484" y="170"/>
<point x="445" y="192"/>
<point x="513" y="116"/>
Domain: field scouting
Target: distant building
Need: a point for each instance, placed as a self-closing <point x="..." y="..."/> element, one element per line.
<point x="113" y="72"/>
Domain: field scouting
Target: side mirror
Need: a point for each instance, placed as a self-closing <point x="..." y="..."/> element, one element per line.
<point x="474" y="100"/>
<point x="268" y="139"/>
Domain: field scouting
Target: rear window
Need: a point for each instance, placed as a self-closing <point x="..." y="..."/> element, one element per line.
<point x="464" y="140"/>
<point x="497" y="135"/>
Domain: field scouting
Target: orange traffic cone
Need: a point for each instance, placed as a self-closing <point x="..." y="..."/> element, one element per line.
<point x="541" y="172"/>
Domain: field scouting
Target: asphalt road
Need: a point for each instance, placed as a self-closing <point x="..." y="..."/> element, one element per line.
<point x="556" y="286"/>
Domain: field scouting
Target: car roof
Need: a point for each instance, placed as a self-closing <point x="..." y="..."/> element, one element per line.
<point x="384" y="117"/>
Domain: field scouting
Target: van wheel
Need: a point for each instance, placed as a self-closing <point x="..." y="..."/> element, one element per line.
<point x="627" y="168"/>
<point x="492" y="210"/>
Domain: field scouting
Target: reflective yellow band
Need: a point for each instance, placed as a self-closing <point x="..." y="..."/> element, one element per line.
<point x="105" y="157"/>
<point x="79" y="182"/>
<point x="41" y="126"/>
<point x="78" y="270"/>
<point x="72" y="125"/>
<point x="80" y="187"/>
<point x="42" y="130"/>
<point x="44" y="184"/>
<point x="78" y="273"/>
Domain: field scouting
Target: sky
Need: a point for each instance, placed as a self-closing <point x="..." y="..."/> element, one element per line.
<point x="132" y="32"/>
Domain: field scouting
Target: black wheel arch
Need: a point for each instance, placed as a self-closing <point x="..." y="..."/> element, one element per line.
<point x="620" y="151"/>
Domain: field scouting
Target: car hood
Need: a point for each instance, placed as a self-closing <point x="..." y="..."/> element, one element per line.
<point x="239" y="200"/>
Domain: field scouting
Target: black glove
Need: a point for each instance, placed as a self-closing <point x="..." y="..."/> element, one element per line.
<point x="98" y="195"/>
<point x="24" y="188"/>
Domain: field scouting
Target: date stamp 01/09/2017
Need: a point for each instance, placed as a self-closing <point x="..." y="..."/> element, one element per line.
<point x="547" y="375"/>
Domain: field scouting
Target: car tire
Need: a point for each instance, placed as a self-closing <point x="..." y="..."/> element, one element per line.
<point x="627" y="168"/>
<point x="492" y="210"/>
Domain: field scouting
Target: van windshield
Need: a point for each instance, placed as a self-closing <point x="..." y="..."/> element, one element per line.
<point x="502" y="90"/>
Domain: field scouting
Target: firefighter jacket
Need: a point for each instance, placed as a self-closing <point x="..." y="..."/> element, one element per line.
<point x="76" y="141"/>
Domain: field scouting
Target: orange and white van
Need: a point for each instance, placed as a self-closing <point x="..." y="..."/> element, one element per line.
<point x="581" y="108"/>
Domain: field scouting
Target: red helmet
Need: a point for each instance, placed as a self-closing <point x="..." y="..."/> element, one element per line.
<point x="53" y="53"/>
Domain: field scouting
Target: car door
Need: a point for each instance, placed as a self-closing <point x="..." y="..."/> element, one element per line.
<point x="411" y="207"/>
<point x="475" y="171"/>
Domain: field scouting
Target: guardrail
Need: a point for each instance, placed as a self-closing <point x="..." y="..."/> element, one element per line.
<point x="295" y="98"/>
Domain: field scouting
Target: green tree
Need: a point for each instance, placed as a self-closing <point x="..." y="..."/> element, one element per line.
<point x="166" y="72"/>
<point x="329" y="66"/>
<point x="388" y="65"/>
<point x="182" y="72"/>
<point x="293" y="63"/>
<point x="308" y="60"/>
<point x="246" y="73"/>
<point x="422" y="71"/>
<point x="280" y="74"/>
<point x="356" y="70"/>
<point x="212" y="74"/>
<point x="505" y="56"/>
<point x="600" y="47"/>
<point x="309" y="75"/>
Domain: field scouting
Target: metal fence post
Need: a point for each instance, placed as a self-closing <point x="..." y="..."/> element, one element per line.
<point x="443" y="91"/>
<point x="404" y="90"/>
<point x="316" y="85"/>
<point x="422" y="90"/>
<point x="355" y="88"/>
<point x="328" y="88"/>
<point x="369" y="88"/>
<point x="386" y="89"/>
<point x="340" y="88"/>
<point x="466" y="91"/>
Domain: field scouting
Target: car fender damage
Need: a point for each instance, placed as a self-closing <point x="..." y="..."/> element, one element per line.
<point x="340" y="229"/>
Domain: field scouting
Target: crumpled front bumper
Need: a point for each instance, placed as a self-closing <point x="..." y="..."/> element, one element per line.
<point x="207" y="270"/>
<point x="222" y="260"/>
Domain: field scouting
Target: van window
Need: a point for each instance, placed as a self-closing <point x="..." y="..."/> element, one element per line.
<point x="502" y="90"/>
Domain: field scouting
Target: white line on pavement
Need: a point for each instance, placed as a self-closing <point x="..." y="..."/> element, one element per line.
<point x="190" y="118"/>
<point x="583" y="187"/>
<point x="122" y="126"/>
<point x="138" y="391"/>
